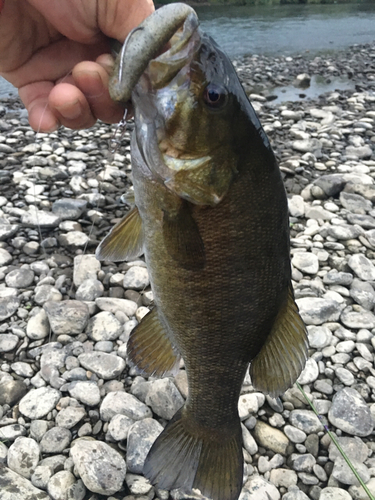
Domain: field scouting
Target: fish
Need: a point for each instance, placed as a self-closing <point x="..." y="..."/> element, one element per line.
<point x="211" y="217"/>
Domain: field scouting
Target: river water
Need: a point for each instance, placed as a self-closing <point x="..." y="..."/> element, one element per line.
<point x="282" y="29"/>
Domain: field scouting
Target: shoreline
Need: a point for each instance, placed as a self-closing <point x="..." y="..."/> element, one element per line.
<point x="64" y="376"/>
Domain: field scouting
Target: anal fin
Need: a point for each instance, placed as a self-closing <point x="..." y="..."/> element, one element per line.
<point x="125" y="240"/>
<point x="150" y="349"/>
<point x="283" y="356"/>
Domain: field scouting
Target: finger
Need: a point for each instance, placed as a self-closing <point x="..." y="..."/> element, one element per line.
<point x="92" y="79"/>
<point x="35" y="99"/>
<point x="70" y="106"/>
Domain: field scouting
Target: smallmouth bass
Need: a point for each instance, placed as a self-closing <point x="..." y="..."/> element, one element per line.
<point x="211" y="216"/>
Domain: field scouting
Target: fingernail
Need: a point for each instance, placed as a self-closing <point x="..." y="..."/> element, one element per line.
<point x="70" y="110"/>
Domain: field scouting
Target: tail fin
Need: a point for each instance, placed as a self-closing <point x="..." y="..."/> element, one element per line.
<point x="187" y="457"/>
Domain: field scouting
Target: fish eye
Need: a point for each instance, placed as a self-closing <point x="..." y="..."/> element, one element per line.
<point x="215" y="96"/>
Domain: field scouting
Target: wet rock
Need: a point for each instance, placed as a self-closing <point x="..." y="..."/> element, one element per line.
<point x="141" y="437"/>
<point x="67" y="316"/>
<point x="101" y="468"/>
<point x="106" y="366"/>
<point x="350" y="413"/>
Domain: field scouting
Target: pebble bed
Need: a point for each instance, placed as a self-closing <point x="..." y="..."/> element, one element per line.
<point x="76" y="421"/>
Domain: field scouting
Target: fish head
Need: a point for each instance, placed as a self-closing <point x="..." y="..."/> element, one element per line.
<point x="190" y="114"/>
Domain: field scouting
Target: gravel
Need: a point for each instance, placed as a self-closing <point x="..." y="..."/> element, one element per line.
<point x="76" y="420"/>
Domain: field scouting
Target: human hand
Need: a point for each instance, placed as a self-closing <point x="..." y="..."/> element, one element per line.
<point x="56" y="53"/>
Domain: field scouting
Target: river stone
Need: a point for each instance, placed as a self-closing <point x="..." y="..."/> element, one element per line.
<point x="333" y="493"/>
<point x="5" y="257"/>
<point x="118" y="402"/>
<point x="316" y="311"/>
<point x="296" y="206"/>
<point x="271" y="438"/>
<point x="335" y="277"/>
<point x="46" y="293"/>
<point x="56" y="440"/>
<point x="39" y="402"/>
<point x="319" y="336"/>
<point x="70" y="416"/>
<point x="119" y="427"/>
<point x="136" y="278"/>
<point x="308" y="146"/>
<point x="11" y="391"/>
<point x="344" y="232"/>
<point x="358" y="493"/>
<point x="331" y="184"/>
<point x="114" y="304"/>
<point x="85" y="267"/>
<point x="89" y="290"/>
<point x="20" y="278"/>
<point x="87" y="392"/>
<point x="8" y="306"/>
<point x="67" y="317"/>
<point x="306" y="262"/>
<point x="40" y="218"/>
<point x="359" y="318"/>
<point x="283" y="477"/>
<point x="303" y="463"/>
<point x="23" y="456"/>
<point x="141" y="437"/>
<point x="38" y="325"/>
<point x="362" y="266"/>
<point x="257" y="487"/>
<point x="306" y="421"/>
<point x="106" y="366"/>
<point x="350" y="413"/>
<point x="104" y="326"/>
<point x="164" y="398"/>
<point x="354" y="448"/>
<point x="354" y="202"/>
<point x="8" y="342"/>
<point x="16" y="487"/>
<point x="310" y="373"/>
<point x="11" y="432"/>
<point x="342" y="472"/>
<point x="363" y="294"/>
<point x="359" y="151"/>
<point x="295" y="435"/>
<point x="101" y="468"/>
<point x="59" y="484"/>
<point x="69" y="208"/>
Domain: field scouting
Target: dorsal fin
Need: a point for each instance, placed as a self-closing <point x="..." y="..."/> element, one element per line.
<point x="150" y="349"/>
<point x="125" y="240"/>
<point x="283" y="355"/>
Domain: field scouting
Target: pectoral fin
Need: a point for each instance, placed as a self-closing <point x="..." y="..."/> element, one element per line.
<point x="283" y="356"/>
<point x="150" y="349"/>
<point x="183" y="240"/>
<point x="125" y="241"/>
